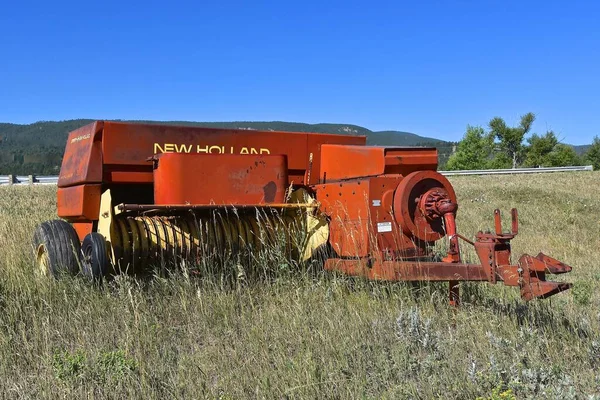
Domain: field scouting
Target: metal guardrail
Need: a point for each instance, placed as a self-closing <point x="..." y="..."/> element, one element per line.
<point x="27" y="180"/>
<point x="517" y="171"/>
<point x="53" y="180"/>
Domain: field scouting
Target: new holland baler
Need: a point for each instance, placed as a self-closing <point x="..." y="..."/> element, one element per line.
<point x="137" y="196"/>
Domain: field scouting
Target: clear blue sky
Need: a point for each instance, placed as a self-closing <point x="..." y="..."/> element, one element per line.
<point x="429" y="67"/>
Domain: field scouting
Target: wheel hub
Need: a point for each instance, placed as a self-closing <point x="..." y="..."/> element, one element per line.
<point x="43" y="261"/>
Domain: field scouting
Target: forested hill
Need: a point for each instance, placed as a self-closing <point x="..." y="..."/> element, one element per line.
<point x="37" y="148"/>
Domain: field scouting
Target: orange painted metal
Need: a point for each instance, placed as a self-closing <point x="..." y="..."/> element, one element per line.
<point x="156" y="209"/>
<point x="83" y="228"/>
<point x="315" y="145"/>
<point x="126" y="144"/>
<point x="346" y="205"/>
<point x="385" y="206"/>
<point x="528" y="275"/>
<point x="414" y="222"/>
<point x="116" y="154"/>
<point x="361" y="223"/>
<point x="80" y="205"/>
<point x="533" y="283"/>
<point x="340" y="162"/>
<point x="129" y="177"/>
<point x="219" y="179"/>
<point x="79" y="202"/>
<point x="397" y="270"/>
<point x="376" y="231"/>
<point x="82" y="161"/>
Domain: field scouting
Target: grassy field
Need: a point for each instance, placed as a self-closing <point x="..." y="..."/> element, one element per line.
<point x="307" y="336"/>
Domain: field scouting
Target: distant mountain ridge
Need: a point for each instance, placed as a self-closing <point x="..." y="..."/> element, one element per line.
<point x="37" y="148"/>
<point x="581" y="149"/>
<point x="390" y="138"/>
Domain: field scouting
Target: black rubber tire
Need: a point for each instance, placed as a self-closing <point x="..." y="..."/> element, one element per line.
<point x="56" y="248"/>
<point x="95" y="262"/>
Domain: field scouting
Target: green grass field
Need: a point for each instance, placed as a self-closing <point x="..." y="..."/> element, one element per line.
<point x="307" y="336"/>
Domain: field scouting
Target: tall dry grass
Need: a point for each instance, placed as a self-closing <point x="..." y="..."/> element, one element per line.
<point x="311" y="336"/>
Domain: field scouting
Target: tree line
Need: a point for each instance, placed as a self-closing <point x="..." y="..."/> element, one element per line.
<point x="503" y="146"/>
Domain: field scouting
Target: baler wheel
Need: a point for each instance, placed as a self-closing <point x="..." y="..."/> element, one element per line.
<point x="95" y="261"/>
<point x="57" y="248"/>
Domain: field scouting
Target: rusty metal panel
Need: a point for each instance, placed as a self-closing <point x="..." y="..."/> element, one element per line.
<point x="362" y="219"/>
<point x="391" y="240"/>
<point x="339" y="162"/>
<point x="409" y="215"/>
<point x="83" y="228"/>
<point x="345" y="199"/>
<point x="314" y="145"/>
<point x="404" y="160"/>
<point x="126" y="144"/>
<point x="347" y="162"/>
<point x="219" y="179"/>
<point x="128" y="177"/>
<point x="82" y="161"/>
<point x="79" y="202"/>
<point x="408" y="271"/>
<point x="346" y="204"/>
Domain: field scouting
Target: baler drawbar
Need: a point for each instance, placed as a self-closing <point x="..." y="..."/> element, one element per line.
<point x="139" y="196"/>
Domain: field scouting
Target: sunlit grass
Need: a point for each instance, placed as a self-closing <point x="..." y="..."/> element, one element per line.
<point x="311" y="336"/>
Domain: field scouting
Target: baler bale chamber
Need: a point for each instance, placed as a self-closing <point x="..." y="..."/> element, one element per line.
<point x="140" y="196"/>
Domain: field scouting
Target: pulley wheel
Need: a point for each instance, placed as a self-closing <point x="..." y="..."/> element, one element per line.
<point x="406" y="208"/>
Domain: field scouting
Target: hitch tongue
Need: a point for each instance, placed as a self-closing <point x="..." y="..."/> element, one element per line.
<point x="533" y="276"/>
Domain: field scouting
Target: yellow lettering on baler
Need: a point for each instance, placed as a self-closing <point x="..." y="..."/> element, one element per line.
<point x="158" y="149"/>
<point x="182" y="148"/>
<point x="207" y="149"/>
<point x="81" y="137"/>
<point x="253" y="150"/>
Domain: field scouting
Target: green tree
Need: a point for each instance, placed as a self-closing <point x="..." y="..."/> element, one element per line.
<point x="473" y="151"/>
<point x="499" y="160"/>
<point x="511" y="139"/>
<point x="545" y="151"/>
<point x="539" y="148"/>
<point x="563" y="156"/>
<point x="592" y="156"/>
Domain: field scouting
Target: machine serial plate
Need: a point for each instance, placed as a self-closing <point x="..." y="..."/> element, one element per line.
<point x="384" y="227"/>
